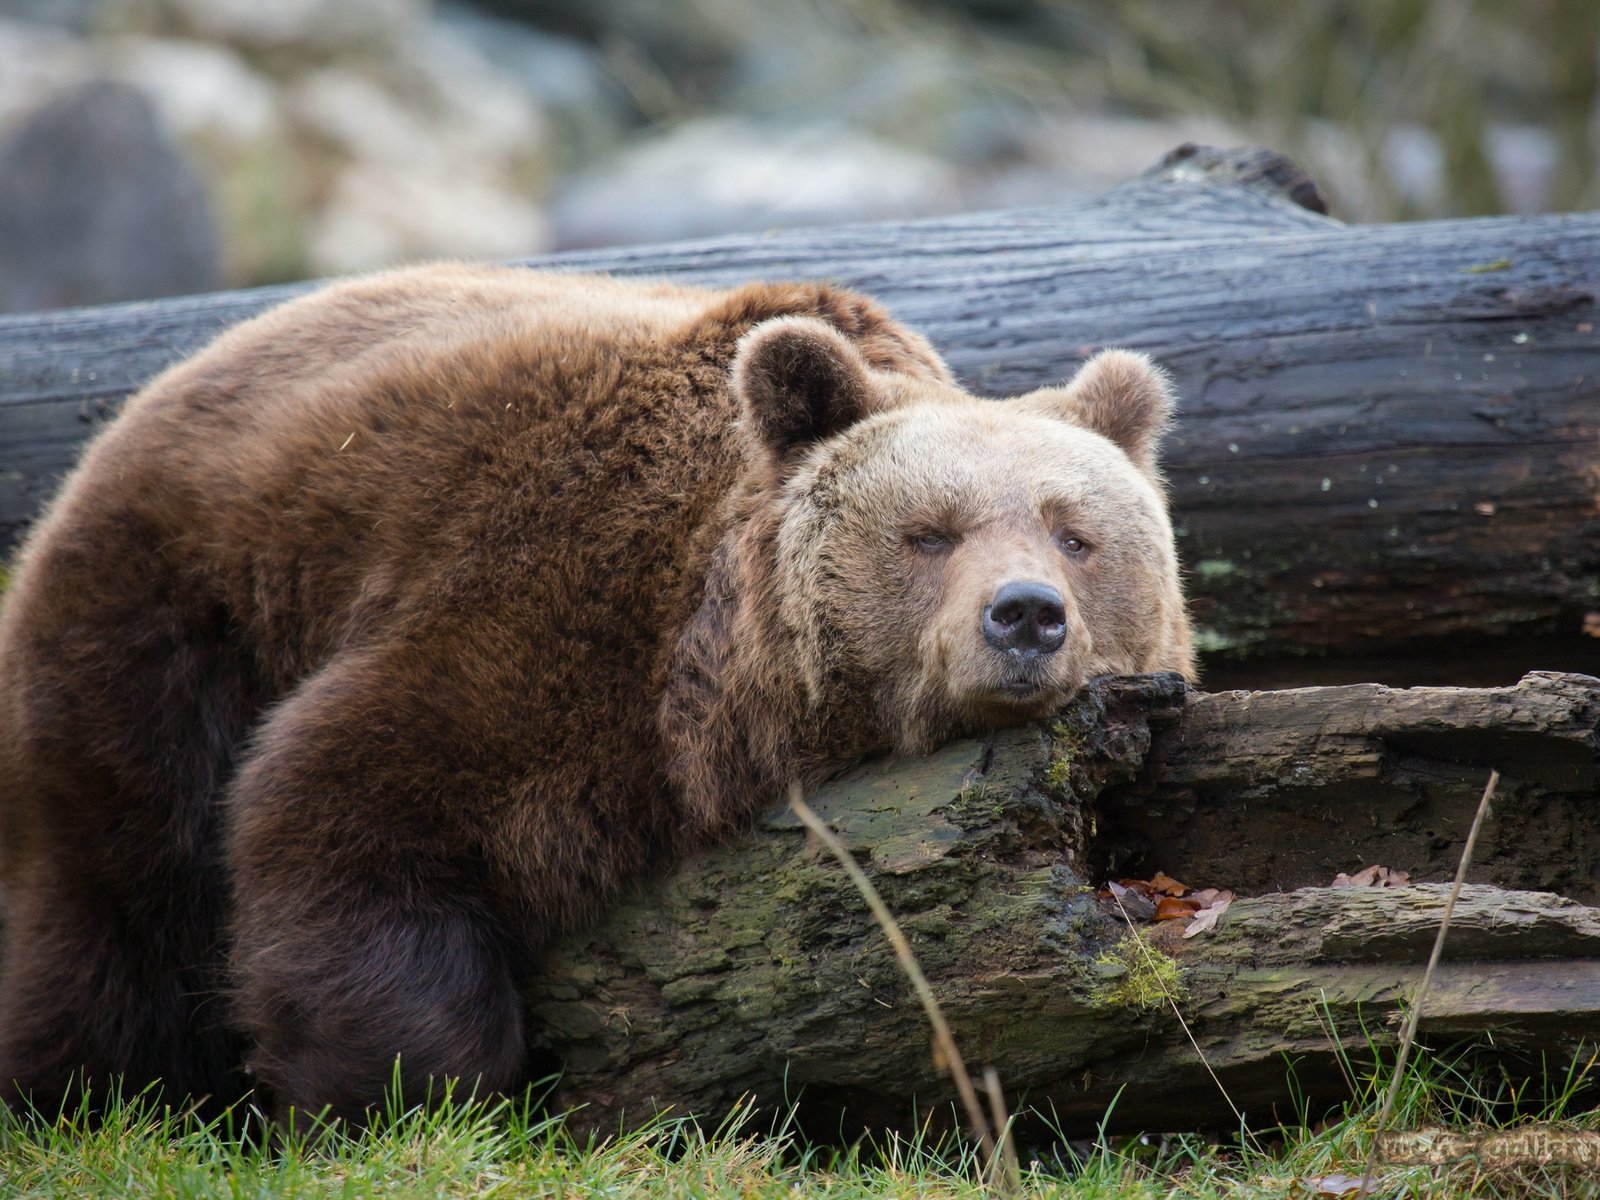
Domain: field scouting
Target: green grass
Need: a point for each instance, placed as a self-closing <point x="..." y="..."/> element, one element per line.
<point x="503" y="1151"/>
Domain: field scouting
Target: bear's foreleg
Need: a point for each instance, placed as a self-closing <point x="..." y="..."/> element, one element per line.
<point x="366" y="948"/>
<point x="369" y="992"/>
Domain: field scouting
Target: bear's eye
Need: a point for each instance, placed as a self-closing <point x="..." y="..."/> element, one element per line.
<point x="932" y="543"/>
<point x="1071" y="545"/>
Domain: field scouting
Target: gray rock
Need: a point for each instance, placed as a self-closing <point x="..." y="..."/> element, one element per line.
<point x="718" y="175"/>
<point x="380" y="214"/>
<point x="230" y="118"/>
<point x="315" y="28"/>
<point x="692" y="42"/>
<point x="76" y="15"/>
<point x="98" y="204"/>
<point x="566" y="75"/>
<point x="914" y="91"/>
<point x="37" y="63"/>
<point x="443" y="157"/>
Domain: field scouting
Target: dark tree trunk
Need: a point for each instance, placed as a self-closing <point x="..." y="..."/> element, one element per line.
<point x="757" y="970"/>
<point x="1389" y="442"/>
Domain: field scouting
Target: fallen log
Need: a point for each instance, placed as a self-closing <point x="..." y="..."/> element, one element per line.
<point x="1390" y="436"/>
<point x="756" y="970"/>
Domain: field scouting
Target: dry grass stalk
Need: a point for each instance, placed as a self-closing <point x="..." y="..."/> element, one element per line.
<point x="994" y="1141"/>
<point x="1409" y="1033"/>
<point x="1011" y="1181"/>
<point x="1172" y="1002"/>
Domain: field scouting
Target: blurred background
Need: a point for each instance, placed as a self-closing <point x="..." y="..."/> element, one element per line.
<point x="156" y="147"/>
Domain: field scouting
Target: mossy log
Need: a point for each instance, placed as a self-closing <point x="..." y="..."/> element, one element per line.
<point x="756" y="970"/>
<point x="1389" y="439"/>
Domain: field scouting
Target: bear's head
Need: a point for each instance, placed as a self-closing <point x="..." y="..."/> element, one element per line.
<point x="945" y="563"/>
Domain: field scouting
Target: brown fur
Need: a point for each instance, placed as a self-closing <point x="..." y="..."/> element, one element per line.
<point x="390" y="635"/>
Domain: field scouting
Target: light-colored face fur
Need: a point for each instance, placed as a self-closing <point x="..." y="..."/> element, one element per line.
<point x="919" y="503"/>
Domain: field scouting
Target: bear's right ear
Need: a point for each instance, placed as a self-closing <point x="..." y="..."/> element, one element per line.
<point x="798" y="381"/>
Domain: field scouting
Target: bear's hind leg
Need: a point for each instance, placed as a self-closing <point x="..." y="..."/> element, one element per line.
<point x="97" y="999"/>
<point x="122" y="700"/>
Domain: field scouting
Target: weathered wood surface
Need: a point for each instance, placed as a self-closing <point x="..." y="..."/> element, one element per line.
<point x="1279" y="784"/>
<point x="1390" y="435"/>
<point x="757" y="970"/>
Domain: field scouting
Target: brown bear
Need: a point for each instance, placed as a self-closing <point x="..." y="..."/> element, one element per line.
<point x="389" y="636"/>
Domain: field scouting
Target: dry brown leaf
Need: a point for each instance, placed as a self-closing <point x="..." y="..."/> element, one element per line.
<point x="1162" y="898"/>
<point x="1362" y="878"/>
<point x="1373" y="876"/>
<point x="1166" y="884"/>
<point x="1127" y="900"/>
<point x="1206" y="919"/>
<point x="1143" y="887"/>
<point x="1170" y="908"/>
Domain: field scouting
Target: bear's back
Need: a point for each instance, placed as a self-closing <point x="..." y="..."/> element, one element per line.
<point x="319" y="469"/>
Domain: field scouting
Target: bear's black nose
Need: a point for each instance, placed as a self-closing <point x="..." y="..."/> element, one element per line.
<point x="1028" y="618"/>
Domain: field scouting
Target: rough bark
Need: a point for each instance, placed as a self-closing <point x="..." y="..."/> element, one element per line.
<point x="756" y="969"/>
<point x="1390" y="438"/>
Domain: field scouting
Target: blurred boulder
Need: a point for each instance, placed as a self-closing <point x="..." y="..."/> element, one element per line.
<point x="230" y="118"/>
<point x="917" y="89"/>
<point x="567" y="76"/>
<point x="1066" y="153"/>
<point x="343" y="135"/>
<point x="201" y="89"/>
<point x="468" y="114"/>
<point x="36" y="63"/>
<point x="441" y="156"/>
<point x="721" y="174"/>
<point x="322" y="27"/>
<point x="377" y="215"/>
<point x="76" y="15"/>
<point x="98" y="204"/>
<point x="689" y="45"/>
<point x="1527" y="162"/>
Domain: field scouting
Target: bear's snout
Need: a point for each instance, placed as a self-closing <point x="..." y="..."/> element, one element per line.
<point x="1026" y="620"/>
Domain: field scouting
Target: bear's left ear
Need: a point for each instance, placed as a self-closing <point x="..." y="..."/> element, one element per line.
<point x="798" y="381"/>
<point x="1120" y="394"/>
